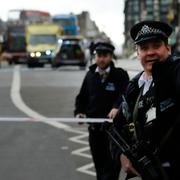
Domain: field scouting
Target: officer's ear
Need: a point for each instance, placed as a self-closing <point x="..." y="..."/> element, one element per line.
<point x="137" y="51"/>
<point x="168" y="47"/>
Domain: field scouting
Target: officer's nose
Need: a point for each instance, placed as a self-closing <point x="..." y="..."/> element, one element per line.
<point x="150" y="51"/>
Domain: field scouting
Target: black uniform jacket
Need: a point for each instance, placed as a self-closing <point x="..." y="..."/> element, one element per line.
<point x="166" y="99"/>
<point x="95" y="98"/>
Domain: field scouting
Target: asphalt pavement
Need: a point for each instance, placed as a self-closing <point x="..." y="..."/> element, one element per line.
<point x="26" y="147"/>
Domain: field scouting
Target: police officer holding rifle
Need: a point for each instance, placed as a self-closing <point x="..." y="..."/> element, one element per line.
<point x="147" y="128"/>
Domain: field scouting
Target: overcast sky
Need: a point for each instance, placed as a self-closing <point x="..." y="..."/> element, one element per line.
<point x="108" y="14"/>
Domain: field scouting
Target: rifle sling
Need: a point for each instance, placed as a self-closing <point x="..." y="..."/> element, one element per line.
<point x="135" y="114"/>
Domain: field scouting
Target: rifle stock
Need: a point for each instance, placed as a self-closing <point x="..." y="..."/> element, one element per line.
<point x="142" y="159"/>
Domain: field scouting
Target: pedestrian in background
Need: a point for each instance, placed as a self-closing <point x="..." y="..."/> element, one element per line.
<point x="153" y="101"/>
<point x="99" y="98"/>
<point x="91" y="50"/>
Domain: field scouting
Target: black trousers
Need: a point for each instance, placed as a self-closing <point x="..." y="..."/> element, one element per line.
<point x="106" y="167"/>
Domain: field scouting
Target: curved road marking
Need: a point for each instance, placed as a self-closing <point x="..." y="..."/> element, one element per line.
<point x="19" y="103"/>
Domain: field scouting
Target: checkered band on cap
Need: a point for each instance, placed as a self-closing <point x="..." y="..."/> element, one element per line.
<point x="146" y="30"/>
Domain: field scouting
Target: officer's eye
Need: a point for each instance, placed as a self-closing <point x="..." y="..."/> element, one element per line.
<point x="143" y="47"/>
<point x="157" y="45"/>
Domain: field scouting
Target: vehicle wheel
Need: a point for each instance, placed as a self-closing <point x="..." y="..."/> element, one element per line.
<point x="10" y="62"/>
<point x="30" y="65"/>
<point x="40" y="65"/>
<point x="54" y="65"/>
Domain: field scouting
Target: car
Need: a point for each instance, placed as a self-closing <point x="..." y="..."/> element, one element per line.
<point x="71" y="52"/>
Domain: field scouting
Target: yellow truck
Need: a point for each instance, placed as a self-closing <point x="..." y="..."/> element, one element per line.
<point x="42" y="43"/>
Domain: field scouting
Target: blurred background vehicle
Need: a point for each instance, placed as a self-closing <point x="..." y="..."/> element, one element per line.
<point x="42" y="43"/>
<point x="15" y="45"/>
<point x="71" y="52"/>
<point x="69" y="22"/>
<point x="15" y="40"/>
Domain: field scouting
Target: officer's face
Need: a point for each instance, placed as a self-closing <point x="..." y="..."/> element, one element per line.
<point x="152" y="51"/>
<point x="103" y="59"/>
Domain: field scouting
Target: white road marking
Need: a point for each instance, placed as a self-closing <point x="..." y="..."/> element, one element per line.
<point x="34" y="116"/>
<point x="77" y="139"/>
<point x="64" y="147"/>
<point x="80" y="152"/>
<point x="19" y="103"/>
<point x="85" y="169"/>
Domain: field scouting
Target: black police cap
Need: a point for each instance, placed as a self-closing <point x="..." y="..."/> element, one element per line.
<point x="147" y="30"/>
<point x="103" y="47"/>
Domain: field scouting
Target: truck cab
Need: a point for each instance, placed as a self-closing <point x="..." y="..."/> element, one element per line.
<point x="42" y="43"/>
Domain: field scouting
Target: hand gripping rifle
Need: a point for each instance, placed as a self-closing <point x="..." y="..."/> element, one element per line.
<point x="142" y="159"/>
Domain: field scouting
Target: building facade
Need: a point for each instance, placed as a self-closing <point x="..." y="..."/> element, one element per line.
<point x="137" y="10"/>
<point x="89" y="29"/>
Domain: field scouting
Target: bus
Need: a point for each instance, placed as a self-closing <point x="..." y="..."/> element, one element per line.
<point x="69" y="22"/>
<point x="27" y="16"/>
<point x="15" y="43"/>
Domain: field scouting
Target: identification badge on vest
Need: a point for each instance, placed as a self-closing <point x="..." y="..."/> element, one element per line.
<point x="151" y="114"/>
<point x="110" y="87"/>
<point x="166" y="104"/>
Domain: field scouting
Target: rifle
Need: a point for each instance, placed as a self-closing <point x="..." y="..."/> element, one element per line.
<point x="142" y="159"/>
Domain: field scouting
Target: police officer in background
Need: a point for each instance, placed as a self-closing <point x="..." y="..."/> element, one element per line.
<point x="153" y="100"/>
<point x="98" y="98"/>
